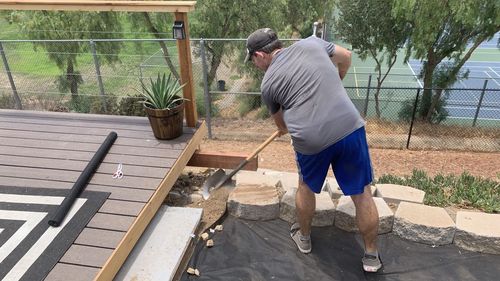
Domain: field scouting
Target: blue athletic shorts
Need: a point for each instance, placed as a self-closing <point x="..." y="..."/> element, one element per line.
<point x="350" y="162"/>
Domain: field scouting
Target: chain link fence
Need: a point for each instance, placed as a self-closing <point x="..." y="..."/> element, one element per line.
<point x="104" y="77"/>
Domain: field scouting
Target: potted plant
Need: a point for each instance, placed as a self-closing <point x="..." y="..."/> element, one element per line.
<point x="164" y="107"/>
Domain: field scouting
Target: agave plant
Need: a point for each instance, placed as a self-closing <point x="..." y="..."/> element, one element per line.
<point x="162" y="93"/>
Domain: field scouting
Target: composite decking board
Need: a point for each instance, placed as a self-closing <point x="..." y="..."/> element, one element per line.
<point x="142" y="126"/>
<point x="86" y="255"/>
<point x="72" y="176"/>
<point x="78" y="123"/>
<point x="90" y="136"/>
<point x="120" y="207"/>
<point x="66" y="137"/>
<point x="163" y="150"/>
<point x="79" y="166"/>
<point x="86" y="156"/>
<point x="111" y="222"/>
<point x="98" y="118"/>
<point x="62" y="272"/>
<point x="118" y="193"/>
<point x="124" y="193"/>
<point x="99" y="238"/>
<point x="70" y="130"/>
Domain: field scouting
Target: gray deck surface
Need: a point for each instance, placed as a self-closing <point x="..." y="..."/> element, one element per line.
<point x="50" y="150"/>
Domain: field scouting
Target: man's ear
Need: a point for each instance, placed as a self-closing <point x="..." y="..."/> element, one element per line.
<point x="259" y="54"/>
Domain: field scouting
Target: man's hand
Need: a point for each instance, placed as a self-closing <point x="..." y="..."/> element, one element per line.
<point x="342" y="59"/>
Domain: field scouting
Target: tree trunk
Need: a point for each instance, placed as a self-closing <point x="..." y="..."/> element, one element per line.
<point x="427" y="95"/>
<point x="163" y="47"/>
<point x="215" y="61"/>
<point x="377" y="93"/>
<point x="72" y="79"/>
<point x="432" y="107"/>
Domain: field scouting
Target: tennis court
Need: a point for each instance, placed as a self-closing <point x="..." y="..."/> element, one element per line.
<point x="462" y="99"/>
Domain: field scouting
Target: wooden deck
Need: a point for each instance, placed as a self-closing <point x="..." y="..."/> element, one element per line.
<point x="50" y="150"/>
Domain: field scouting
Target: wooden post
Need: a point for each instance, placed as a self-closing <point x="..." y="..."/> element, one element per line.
<point x="187" y="72"/>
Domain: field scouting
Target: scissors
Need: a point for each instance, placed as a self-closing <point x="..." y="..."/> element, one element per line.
<point x="119" y="173"/>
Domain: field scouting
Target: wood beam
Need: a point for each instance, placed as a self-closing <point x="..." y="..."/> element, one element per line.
<point x="97" y="5"/>
<point x="222" y="160"/>
<point x="184" y="49"/>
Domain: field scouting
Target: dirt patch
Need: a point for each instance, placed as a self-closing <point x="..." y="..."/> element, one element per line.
<point x="186" y="192"/>
<point x="279" y="156"/>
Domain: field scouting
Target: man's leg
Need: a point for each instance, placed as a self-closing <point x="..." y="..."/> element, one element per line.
<point x="367" y="219"/>
<point x="305" y="203"/>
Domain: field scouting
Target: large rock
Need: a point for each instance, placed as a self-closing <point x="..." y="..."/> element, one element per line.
<point x="324" y="215"/>
<point x="254" y="202"/>
<point x="345" y="217"/>
<point x="287" y="207"/>
<point x="331" y="185"/>
<point x="393" y="193"/>
<point x="325" y="210"/>
<point x="423" y="224"/>
<point x="478" y="232"/>
<point x="255" y="177"/>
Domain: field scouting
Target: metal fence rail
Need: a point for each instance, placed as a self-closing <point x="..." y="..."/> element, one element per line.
<point x="105" y="76"/>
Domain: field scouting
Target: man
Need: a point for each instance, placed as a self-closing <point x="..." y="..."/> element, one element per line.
<point x="302" y="89"/>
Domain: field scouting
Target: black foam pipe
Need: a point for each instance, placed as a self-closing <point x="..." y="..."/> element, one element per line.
<point x="82" y="180"/>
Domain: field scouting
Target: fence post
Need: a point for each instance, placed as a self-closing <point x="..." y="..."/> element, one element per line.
<point x="367" y="96"/>
<point x="412" y="118"/>
<point x="17" y="99"/>
<point x="208" y="102"/>
<point x="479" y="103"/>
<point x="98" y="73"/>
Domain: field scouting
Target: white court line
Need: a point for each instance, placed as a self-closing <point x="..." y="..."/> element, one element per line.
<point x="356" y="81"/>
<point x="41" y="244"/>
<point x="1" y="229"/>
<point x="418" y="80"/>
<point x="496" y="73"/>
<point x="31" y="199"/>
<point x="493" y="79"/>
<point x="32" y="219"/>
<point x="463" y="84"/>
<point x="470" y="108"/>
<point x="391" y="81"/>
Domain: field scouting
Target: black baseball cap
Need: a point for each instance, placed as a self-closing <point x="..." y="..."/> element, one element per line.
<point x="258" y="40"/>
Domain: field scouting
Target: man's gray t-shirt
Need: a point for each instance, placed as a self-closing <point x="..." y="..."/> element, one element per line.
<point x="303" y="81"/>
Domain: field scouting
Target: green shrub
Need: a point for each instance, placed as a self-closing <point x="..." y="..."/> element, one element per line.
<point x="248" y="103"/>
<point x="406" y="112"/>
<point x="131" y="106"/>
<point x="463" y="191"/>
<point x="6" y="102"/>
<point x="200" y="105"/>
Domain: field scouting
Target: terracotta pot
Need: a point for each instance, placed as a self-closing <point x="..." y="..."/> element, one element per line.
<point x="166" y="123"/>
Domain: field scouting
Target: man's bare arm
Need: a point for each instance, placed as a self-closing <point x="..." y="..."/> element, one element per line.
<point x="342" y="58"/>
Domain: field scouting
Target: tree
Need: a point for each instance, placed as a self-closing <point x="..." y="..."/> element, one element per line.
<point x="156" y="24"/>
<point x="367" y="25"/>
<point x="298" y="16"/>
<point x="237" y="19"/>
<point x="43" y="25"/>
<point x="229" y="19"/>
<point x="442" y="30"/>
